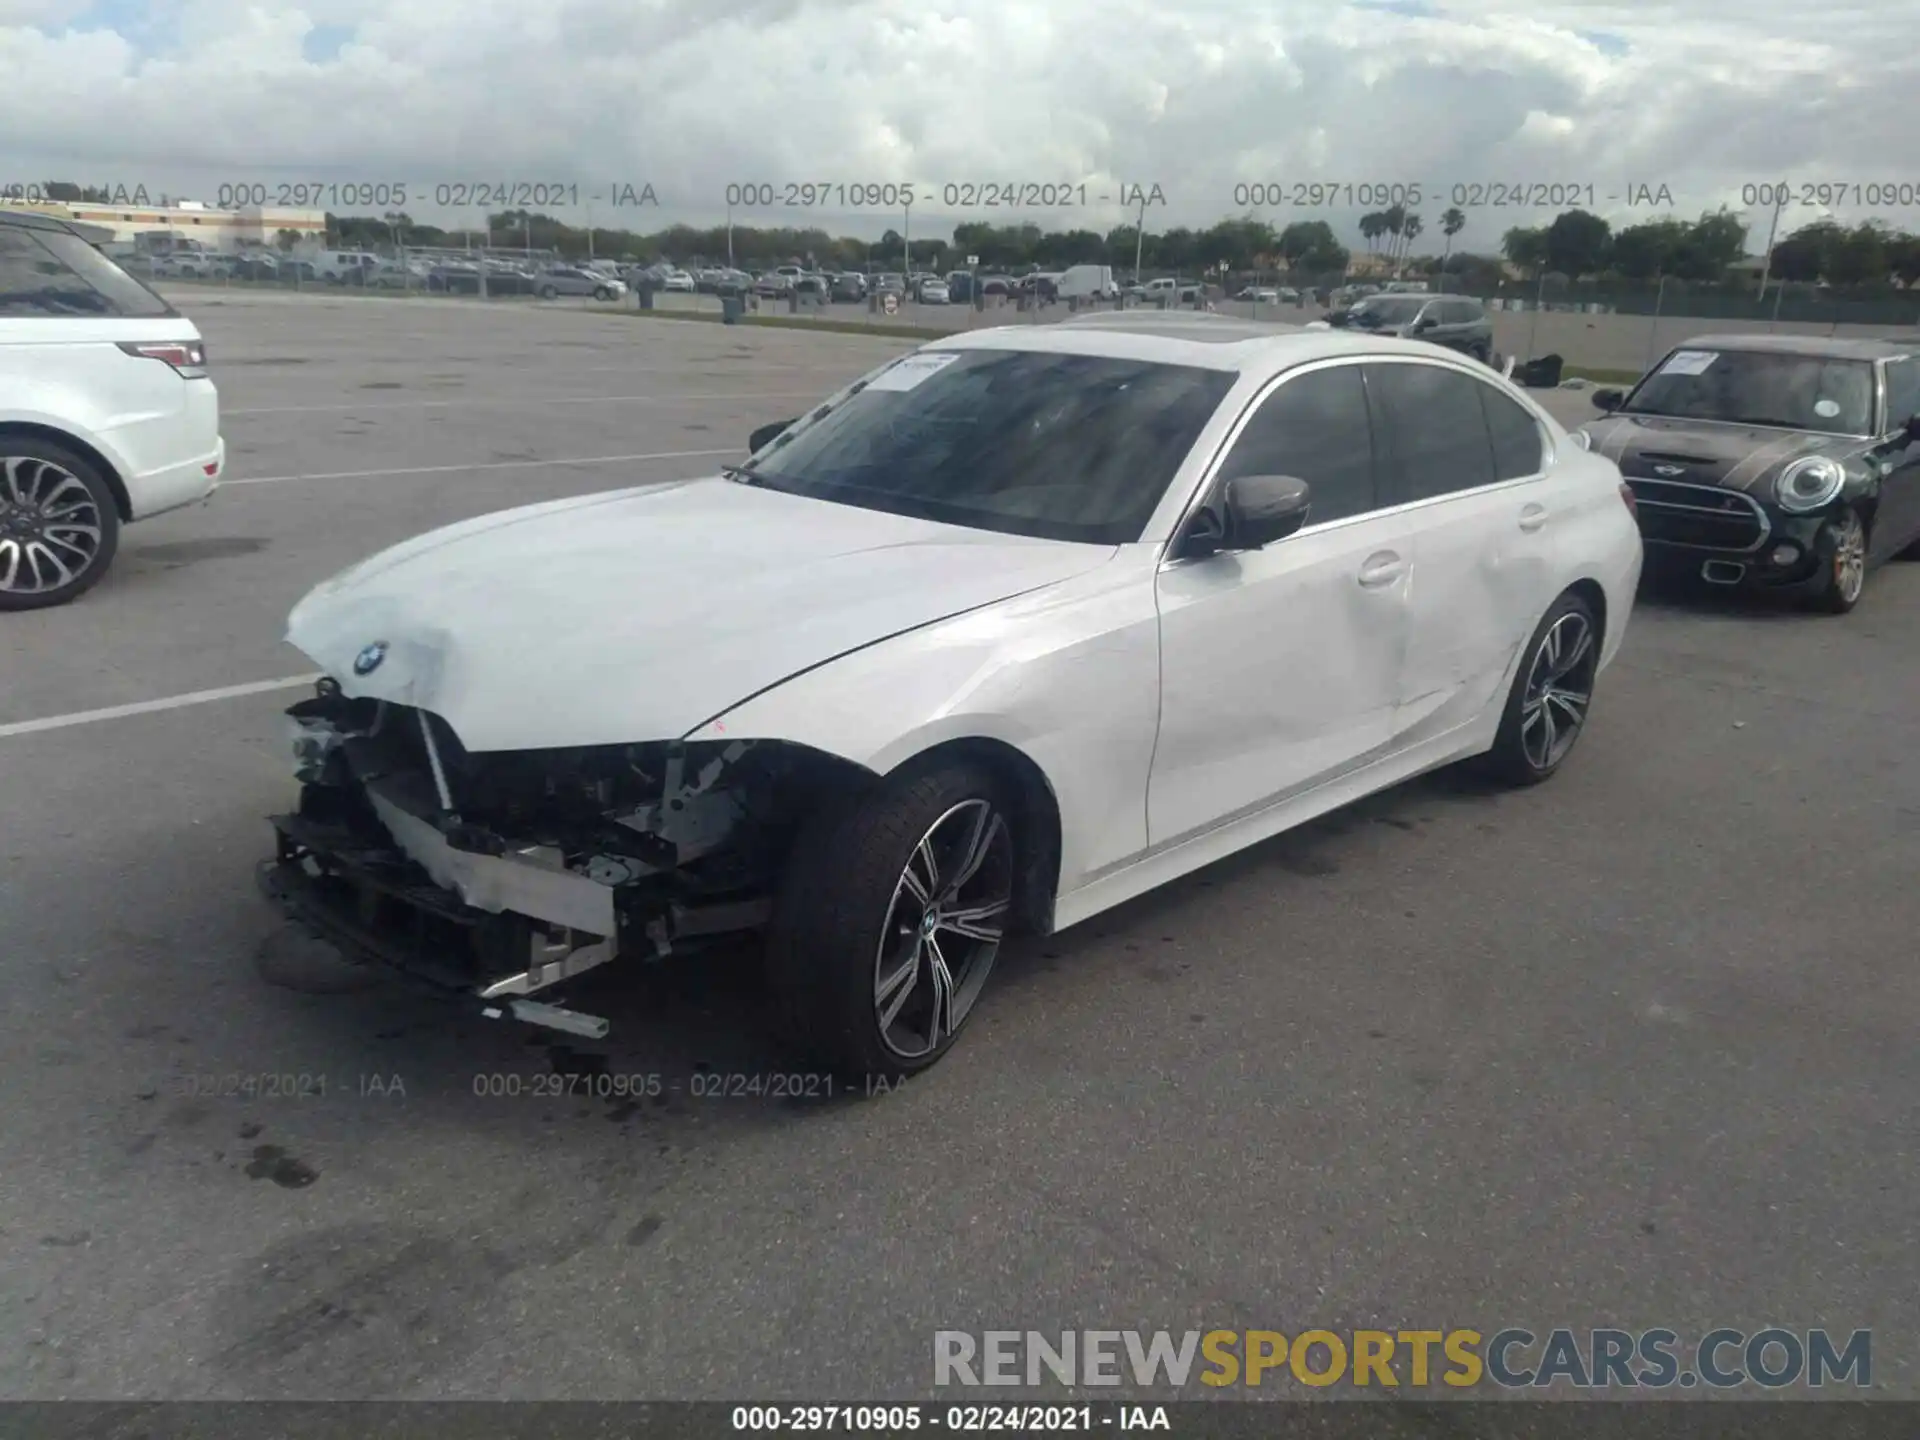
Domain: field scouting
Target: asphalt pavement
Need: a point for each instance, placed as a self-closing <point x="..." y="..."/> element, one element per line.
<point x="1633" y="1048"/>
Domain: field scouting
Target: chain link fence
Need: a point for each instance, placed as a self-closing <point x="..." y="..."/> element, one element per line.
<point x="1613" y="333"/>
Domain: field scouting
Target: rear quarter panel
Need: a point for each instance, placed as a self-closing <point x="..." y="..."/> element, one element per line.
<point x="68" y="375"/>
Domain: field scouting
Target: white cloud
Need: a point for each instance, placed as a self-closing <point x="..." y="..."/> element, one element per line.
<point x="1196" y="96"/>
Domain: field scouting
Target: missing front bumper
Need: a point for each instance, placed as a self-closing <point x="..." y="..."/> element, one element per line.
<point x="381" y="906"/>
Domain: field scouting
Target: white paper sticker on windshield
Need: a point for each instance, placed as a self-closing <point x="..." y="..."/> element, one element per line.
<point x="1826" y="409"/>
<point x="913" y="370"/>
<point x="1688" y="362"/>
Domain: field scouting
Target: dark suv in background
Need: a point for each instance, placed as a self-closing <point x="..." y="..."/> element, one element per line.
<point x="1455" y="321"/>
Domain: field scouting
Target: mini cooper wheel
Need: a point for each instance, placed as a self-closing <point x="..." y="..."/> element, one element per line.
<point x="58" y="525"/>
<point x="602" y="293"/>
<point x="547" y="292"/>
<point x="889" y="920"/>
<point x="1551" y="696"/>
<point x="1846" y="563"/>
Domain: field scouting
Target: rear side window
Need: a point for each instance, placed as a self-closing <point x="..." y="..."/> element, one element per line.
<point x="50" y="273"/>
<point x="1519" y="449"/>
<point x="1440" y="440"/>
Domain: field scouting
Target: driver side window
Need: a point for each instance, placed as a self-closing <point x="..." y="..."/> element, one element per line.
<point x="1314" y="427"/>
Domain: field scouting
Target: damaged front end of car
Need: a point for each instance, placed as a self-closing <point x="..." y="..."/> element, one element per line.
<point x="501" y="876"/>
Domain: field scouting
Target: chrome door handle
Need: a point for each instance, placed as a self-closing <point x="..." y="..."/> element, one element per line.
<point x="1382" y="568"/>
<point x="1533" y="517"/>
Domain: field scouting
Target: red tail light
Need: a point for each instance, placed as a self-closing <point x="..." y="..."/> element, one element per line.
<point x="1626" y="494"/>
<point x="189" y="357"/>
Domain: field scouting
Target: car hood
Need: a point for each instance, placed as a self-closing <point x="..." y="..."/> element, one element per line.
<point x="641" y="614"/>
<point x="1688" y="452"/>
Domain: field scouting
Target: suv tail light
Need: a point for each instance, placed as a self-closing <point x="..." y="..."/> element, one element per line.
<point x="189" y="357"/>
<point x="1626" y="494"/>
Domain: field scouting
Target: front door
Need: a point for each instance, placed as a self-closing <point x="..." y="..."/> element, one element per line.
<point x="1897" y="524"/>
<point x="1280" y="667"/>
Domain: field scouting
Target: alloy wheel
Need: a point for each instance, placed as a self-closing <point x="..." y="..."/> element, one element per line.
<point x="1559" y="691"/>
<point x="1849" y="557"/>
<point x="51" y="529"/>
<point x="943" y="929"/>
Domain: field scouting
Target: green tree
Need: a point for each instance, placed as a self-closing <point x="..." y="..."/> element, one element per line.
<point x="1526" y="248"/>
<point x="1578" y="243"/>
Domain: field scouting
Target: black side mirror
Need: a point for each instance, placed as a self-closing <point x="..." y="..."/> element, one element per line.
<point x="1913" y="429"/>
<point x="1260" y="509"/>
<point x="1608" y="400"/>
<point x="766" y="435"/>
<point x="1250" y="512"/>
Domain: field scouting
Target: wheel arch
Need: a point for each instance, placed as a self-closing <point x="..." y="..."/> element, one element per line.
<point x="86" y="450"/>
<point x="1595" y="595"/>
<point x="1036" y="817"/>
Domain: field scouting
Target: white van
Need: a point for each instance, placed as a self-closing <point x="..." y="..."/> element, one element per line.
<point x="345" y="267"/>
<point x="107" y="413"/>
<point x="1087" y="282"/>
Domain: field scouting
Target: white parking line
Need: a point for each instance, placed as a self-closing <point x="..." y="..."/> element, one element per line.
<point x="147" y="707"/>
<point x="500" y="402"/>
<point x="484" y="465"/>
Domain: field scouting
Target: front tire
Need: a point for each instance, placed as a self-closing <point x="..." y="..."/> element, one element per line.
<point x="1552" y="692"/>
<point x="59" y="527"/>
<point x="547" y="292"/>
<point x="1846" y="565"/>
<point x="603" y="294"/>
<point x="889" y="919"/>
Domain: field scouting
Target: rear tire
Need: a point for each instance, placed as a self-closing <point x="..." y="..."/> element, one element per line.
<point x="1552" y="694"/>
<point x="547" y="292"/>
<point x="888" y="921"/>
<point x="59" y="527"/>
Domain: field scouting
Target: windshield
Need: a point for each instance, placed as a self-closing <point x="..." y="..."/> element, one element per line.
<point x="1058" y="447"/>
<point x="1760" y="387"/>
<point x="1387" y="312"/>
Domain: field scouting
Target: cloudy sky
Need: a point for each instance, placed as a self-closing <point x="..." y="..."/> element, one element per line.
<point x="1194" y="96"/>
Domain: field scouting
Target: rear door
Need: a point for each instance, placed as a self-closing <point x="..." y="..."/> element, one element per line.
<point x="1468" y="464"/>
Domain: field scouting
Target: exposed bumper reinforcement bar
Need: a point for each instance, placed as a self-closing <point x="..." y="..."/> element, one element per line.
<point x="376" y="916"/>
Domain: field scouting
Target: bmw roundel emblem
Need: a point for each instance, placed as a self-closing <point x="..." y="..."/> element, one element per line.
<point x="368" y="660"/>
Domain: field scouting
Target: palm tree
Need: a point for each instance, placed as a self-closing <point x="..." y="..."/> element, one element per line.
<point x="1373" y="227"/>
<point x="1452" y="222"/>
<point x="1410" y="228"/>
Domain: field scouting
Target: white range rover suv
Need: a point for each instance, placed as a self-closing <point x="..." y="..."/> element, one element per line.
<point x="107" y="414"/>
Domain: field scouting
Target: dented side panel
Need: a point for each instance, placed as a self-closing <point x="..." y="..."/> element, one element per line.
<point x="1480" y="585"/>
<point x="1070" y="678"/>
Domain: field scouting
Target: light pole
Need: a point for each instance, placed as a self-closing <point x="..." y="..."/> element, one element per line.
<point x="1139" y="239"/>
<point x="1766" y="266"/>
<point x="906" y="240"/>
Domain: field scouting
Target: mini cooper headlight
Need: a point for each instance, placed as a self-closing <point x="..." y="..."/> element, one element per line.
<point x="1809" y="483"/>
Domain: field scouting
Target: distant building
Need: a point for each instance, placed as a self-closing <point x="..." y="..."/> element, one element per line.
<point x="218" y="230"/>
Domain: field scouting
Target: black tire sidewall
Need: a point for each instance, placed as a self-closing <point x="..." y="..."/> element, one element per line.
<point x="88" y="475"/>
<point x="832" y="902"/>
<point x="1507" y="760"/>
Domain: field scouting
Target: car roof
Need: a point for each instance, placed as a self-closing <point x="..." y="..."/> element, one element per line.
<point x="1202" y="340"/>
<point x="1839" y="347"/>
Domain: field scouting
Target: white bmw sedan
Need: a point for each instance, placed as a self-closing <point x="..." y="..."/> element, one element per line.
<point x="1009" y="631"/>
